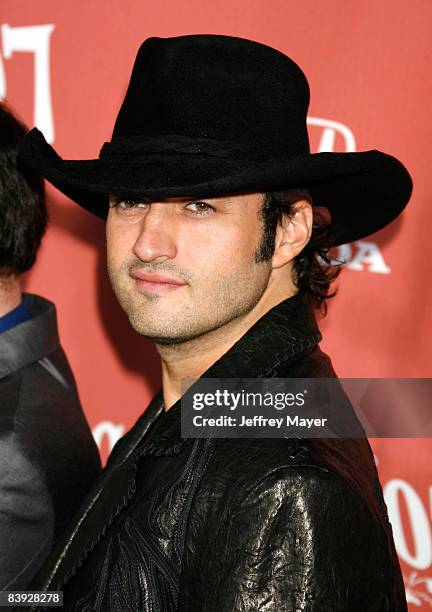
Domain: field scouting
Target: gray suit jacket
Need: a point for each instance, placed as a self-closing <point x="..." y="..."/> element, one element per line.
<point x="48" y="458"/>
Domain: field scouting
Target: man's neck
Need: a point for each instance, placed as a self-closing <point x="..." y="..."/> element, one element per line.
<point x="191" y="359"/>
<point x="10" y="294"/>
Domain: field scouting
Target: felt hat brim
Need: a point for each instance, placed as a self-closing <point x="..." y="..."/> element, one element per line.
<point x="363" y="191"/>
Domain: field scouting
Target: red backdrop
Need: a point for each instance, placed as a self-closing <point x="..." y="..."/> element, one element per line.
<point x="65" y="66"/>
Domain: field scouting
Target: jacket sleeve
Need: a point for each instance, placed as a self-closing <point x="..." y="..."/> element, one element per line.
<point x="26" y="517"/>
<point x="298" y="540"/>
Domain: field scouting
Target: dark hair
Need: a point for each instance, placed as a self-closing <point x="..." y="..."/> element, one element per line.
<point x="23" y="215"/>
<point x="313" y="267"/>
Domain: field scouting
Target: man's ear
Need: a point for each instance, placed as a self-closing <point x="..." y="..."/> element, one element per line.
<point x="293" y="233"/>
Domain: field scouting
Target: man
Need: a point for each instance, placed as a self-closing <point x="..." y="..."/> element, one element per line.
<point x="212" y="252"/>
<point x="48" y="458"/>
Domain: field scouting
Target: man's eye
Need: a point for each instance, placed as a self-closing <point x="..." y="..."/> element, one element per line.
<point x="200" y="208"/>
<point x="128" y="204"/>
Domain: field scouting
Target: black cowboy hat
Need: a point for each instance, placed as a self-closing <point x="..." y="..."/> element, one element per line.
<point x="208" y="115"/>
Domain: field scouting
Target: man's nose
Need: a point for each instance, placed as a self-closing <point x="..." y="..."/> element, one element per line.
<point x="157" y="239"/>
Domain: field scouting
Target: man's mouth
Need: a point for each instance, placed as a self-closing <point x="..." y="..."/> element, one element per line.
<point x="155" y="282"/>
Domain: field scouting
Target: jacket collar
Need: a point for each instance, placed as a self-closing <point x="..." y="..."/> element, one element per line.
<point x="32" y="340"/>
<point x="283" y="333"/>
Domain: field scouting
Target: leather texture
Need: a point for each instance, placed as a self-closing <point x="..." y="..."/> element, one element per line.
<point x="48" y="458"/>
<point x="234" y="525"/>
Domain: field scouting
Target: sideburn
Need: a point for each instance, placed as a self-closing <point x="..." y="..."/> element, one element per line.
<point x="271" y="213"/>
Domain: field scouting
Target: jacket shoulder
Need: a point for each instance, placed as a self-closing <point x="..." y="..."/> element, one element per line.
<point x="250" y="459"/>
<point x="47" y="419"/>
<point x="237" y="466"/>
<point x="293" y="520"/>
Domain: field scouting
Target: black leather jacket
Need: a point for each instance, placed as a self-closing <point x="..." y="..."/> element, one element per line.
<point x="225" y="525"/>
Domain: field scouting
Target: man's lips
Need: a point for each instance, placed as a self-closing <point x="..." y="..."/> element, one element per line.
<point x="155" y="282"/>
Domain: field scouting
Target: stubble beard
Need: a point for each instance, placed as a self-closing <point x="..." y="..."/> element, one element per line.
<point x="197" y="312"/>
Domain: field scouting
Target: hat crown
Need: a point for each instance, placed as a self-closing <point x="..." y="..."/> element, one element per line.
<point x="216" y="87"/>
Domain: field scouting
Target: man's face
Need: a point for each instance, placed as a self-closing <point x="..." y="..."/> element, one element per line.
<point x="183" y="267"/>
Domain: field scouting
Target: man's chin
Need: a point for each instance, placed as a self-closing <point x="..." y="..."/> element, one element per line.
<point x="162" y="337"/>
